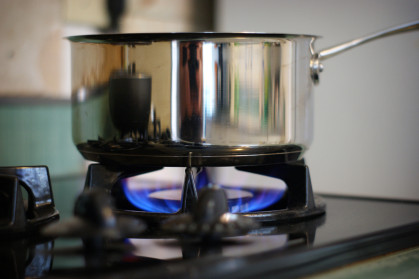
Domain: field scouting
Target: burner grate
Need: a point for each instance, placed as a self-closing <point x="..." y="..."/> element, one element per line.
<point x="299" y="202"/>
<point x="22" y="215"/>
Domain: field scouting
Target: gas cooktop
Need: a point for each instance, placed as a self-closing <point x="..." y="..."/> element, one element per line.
<point x="353" y="229"/>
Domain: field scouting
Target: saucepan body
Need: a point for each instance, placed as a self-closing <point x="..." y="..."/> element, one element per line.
<point x="192" y="99"/>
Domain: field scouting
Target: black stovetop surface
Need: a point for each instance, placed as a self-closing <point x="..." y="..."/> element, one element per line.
<point x="352" y="229"/>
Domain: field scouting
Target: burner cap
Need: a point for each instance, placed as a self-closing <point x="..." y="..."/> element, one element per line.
<point x="233" y="195"/>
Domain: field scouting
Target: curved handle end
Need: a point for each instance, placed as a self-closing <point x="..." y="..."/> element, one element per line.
<point x="316" y="67"/>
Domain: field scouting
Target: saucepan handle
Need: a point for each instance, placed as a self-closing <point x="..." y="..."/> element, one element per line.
<point x="317" y="67"/>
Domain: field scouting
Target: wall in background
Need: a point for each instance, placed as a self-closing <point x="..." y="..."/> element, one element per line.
<point x="35" y="57"/>
<point x="144" y="15"/>
<point x="367" y="103"/>
<point x="31" y="49"/>
<point x="37" y="132"/>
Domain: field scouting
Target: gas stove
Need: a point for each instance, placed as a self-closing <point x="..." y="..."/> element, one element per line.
<point x="127" y="223"/>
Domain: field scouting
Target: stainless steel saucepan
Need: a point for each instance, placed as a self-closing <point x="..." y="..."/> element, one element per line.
<point x="197" y="99"/>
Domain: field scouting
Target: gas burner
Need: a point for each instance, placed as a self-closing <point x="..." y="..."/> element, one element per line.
<point x="289" y="248"/>
<point x="210" y="219"/>
<point x="23" y="212"/>
<point x="298" y="202"/>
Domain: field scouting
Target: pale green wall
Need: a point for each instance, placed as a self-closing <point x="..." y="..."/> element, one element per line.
<point x="38" y="134"/>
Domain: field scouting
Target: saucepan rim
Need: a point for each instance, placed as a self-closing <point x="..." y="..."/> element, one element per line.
<point x="155" y="37"/>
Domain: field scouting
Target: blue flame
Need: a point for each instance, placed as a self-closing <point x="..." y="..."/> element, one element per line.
<point x="202" y="179"/>
<point x="139" y="196"/>
<point x="261" y="199"/>
<point x="256" y="199"/>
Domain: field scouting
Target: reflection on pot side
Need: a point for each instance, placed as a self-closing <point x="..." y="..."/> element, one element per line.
<point x="229" y="98"/>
